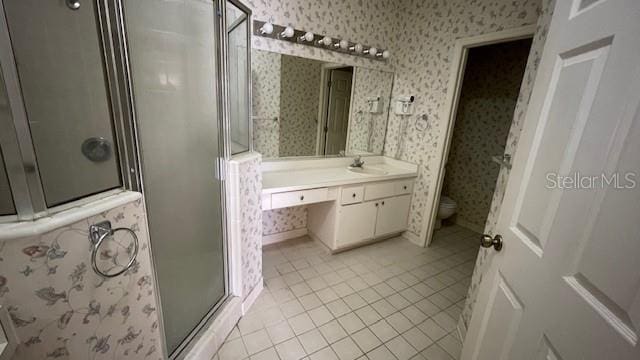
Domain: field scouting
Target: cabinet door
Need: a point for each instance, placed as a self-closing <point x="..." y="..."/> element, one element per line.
<point x="356" y="223"/>
<point x="393" y="214"/>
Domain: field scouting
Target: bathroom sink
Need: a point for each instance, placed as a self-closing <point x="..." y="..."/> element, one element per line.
<point x="368" y="171"/>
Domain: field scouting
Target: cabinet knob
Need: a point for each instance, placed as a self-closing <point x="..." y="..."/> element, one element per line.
<point x="354" y="195"/>
<point x="404" y="187"/>
<point x="376" y="204"/>
<point x="383" y="203"/>
<point x="302" y="197"/>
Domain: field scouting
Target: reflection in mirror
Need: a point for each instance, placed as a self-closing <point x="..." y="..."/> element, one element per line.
<point x="238" y="78"/>
<point x="305" y="107"/>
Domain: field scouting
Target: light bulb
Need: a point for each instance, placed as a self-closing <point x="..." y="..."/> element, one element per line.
<point x="372" y="51"/>
<point x="386" y="54"/>
<point x="288" y="32"/>
<point x="308" y="36"/>
<point x="266" y="29"/>
<point x="326" y="41"/>
<point x="344" y="44"/>
<point x="357" y="48"/>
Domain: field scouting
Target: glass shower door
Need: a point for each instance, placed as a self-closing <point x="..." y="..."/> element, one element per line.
<point x="172" y="47"/>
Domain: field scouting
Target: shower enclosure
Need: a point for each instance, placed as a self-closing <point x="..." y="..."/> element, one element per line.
<point x="130" y="95"/>
<point x="179" y="82"/>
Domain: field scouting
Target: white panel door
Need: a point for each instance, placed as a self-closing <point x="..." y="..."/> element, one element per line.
<point x="356" y="223"/>
<point x="338" y="112"/>
<point x="393" y="214"/>
<point x="566" y="284"/>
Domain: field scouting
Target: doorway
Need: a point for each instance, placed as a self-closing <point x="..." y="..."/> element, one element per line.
<point x="501" y="59"/>
<point x="336" y="102"/>
<point x="490" y="88"/>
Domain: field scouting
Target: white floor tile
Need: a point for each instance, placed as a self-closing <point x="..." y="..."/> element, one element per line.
<point x="290" y="350"/>
<point x="393" y="298"/>
<point x="346" y="349"/>
<point x="332" y="331"/>
<point x="256" y="341"/>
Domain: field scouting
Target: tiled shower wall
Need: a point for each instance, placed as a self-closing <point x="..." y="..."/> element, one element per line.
<point x="62" y="309"/>
<point x="490" y="88"/>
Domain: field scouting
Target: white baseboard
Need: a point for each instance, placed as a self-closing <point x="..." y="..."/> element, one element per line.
<point x="213" y="338"/>
<point x="253" y="295"/>
<point x="283" y="236"/>
<point x="470" y="226"/>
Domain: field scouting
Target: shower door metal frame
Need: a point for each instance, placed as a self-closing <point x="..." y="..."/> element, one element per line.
<point x="19" y="154"/>
<point x="114" y="22"/>
<point x="17" y="143"/>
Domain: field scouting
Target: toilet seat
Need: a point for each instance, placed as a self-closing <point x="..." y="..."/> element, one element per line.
<point x="447" y="202"/>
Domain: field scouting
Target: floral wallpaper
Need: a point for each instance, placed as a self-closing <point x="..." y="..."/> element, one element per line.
<point x="251" y="219"/>
<point x="485" y="111"/>
<point x="62" y="309"/>
<point x="425" y="33"/>
<point x="420" y="35"/>
<point x="537" y="46"/>
<point x="366" y="129"/>
<point x="285" y="219"/>
<point x="265" y="101"/>
<point x="299" y="104"/>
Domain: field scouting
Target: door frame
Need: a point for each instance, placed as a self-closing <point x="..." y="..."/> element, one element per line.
<point x="456" y="77"/>
<point x="325" y="76"/>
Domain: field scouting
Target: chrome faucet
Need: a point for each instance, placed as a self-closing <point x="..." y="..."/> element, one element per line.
<point x="357" y="162"/>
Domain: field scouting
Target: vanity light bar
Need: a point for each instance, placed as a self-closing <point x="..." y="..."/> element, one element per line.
<point x="287" y="33"/>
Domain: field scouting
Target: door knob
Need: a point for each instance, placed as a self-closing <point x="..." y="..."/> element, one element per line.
<point x="487" y="241"/>
<point x="73" y="4"/>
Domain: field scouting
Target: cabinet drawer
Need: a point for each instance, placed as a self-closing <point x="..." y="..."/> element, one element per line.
<point x="295" y="198"/>
<point x="352" y="195"/>
<point x="380" y="190"/>
<point x="404" y="187"/>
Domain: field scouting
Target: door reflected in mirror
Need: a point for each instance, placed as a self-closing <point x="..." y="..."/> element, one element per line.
<point x="306" y="107"/>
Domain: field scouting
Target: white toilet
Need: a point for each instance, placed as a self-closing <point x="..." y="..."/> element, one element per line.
<point x="446" y="209"/>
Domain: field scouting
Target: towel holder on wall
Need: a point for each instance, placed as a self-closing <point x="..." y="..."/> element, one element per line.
<point x="98" y="233"/>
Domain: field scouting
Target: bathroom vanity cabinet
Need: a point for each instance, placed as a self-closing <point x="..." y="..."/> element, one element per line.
<point x="376" y="215"/>
<point x="350" y="209"/>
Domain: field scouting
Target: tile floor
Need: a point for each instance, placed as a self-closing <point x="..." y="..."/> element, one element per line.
<point x="389" y="300"/>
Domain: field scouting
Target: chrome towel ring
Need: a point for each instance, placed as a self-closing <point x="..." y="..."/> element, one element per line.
<point x="98" y="233"/>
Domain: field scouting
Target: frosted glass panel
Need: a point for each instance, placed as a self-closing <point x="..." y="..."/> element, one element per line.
<point x="238" y="79"/>
<point x="173" y="57"/>
<point x="62" y="78"/>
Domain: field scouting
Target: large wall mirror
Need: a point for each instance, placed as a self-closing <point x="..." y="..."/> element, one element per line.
<point x="305" y="107"/>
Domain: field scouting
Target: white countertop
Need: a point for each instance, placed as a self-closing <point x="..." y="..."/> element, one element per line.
<point x="292" y="175"/>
